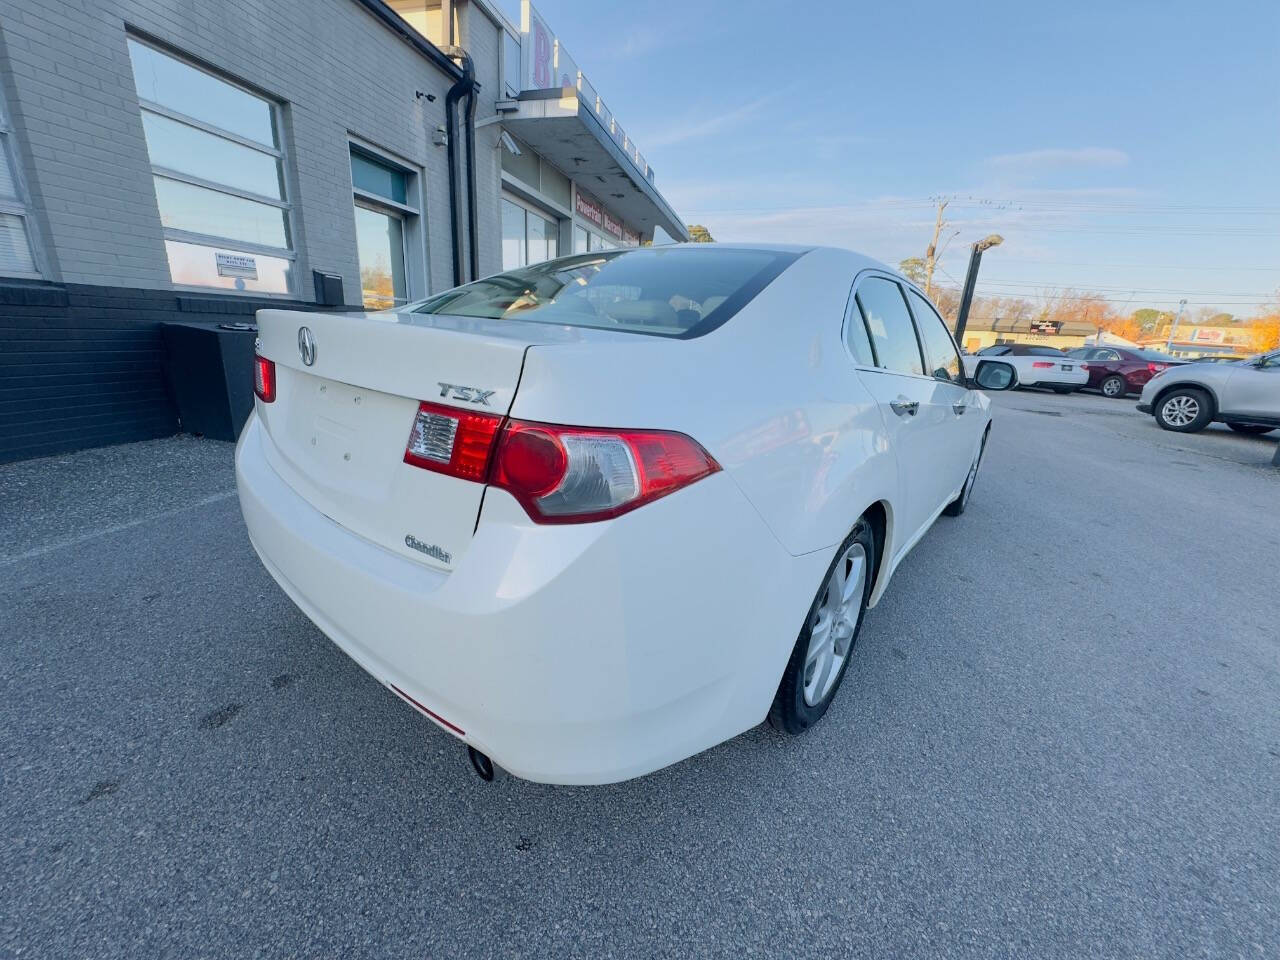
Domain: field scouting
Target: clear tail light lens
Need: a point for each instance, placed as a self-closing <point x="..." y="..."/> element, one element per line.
<point x="452" y="441"/>
<point x="577" y="475"/>
<point x="558" y="474"/>
<point x="264" y="379"/>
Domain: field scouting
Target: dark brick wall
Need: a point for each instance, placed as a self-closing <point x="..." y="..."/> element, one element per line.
<point x="84" y="366"/>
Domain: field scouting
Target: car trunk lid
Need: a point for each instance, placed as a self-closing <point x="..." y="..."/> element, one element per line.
<point x="339" y="424"/>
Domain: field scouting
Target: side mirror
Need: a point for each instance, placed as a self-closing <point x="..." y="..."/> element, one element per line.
<point x="993" y="375"/>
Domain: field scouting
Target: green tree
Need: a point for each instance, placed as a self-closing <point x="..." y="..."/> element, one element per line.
<point x="913" y="268"/>
<point x="700" y="234"/>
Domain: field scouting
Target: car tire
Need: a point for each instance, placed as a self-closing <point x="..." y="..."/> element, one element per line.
<point x="819" y="660"/>
<point x="1184" y="410"/>
<point x="1252" y="429"/>
<point x="1114" y="387"/>
<point x="957" y="506"/>
<point x="1065" y="389"/>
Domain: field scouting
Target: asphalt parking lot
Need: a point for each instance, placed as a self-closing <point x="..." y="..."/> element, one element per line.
<point x="1060" y="738"/>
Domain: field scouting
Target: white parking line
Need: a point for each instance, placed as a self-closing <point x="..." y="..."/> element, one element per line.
<point x="65" y="542"/>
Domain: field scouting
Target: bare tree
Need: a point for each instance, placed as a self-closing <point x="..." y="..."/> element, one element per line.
<point x="931" y="254"/>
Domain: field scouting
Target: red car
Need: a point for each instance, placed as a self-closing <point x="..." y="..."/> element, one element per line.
<point x="1118" y="371"/>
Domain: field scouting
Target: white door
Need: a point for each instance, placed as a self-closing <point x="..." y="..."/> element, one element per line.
<point x="920" y="428"/>
<point x="960" y="426"/>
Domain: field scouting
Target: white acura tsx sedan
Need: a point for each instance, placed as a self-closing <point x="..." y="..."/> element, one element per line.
<point x="596" y="515"/>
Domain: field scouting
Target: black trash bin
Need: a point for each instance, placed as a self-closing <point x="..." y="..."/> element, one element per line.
<point x="210" y="373"/>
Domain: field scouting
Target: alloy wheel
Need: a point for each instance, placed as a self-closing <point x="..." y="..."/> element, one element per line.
<point x="1113" y="387"/>
<point x="833" y="625"/>
<point x="1180" y="411"/>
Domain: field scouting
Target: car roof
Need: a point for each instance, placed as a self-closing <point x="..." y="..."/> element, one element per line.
<point x="859" y="261"/>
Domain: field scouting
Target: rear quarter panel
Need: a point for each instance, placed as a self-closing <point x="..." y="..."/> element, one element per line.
<point x="771" y="394"/>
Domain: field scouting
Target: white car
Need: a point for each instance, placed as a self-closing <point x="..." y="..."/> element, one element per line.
<point x="1037" y="366"/>
<point x="1244" y="395"/>
<point x="597" y="515"/>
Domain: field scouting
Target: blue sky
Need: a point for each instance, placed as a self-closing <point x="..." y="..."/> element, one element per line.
<point x="1118" y="147"/>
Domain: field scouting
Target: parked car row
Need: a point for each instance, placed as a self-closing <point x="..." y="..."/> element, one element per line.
<point x="1182" y="396"/>
<point x="1112" y="371"/>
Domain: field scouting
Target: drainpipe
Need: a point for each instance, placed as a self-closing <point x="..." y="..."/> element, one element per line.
<point x="464" y="87"/>
<point x="472" y="216"/>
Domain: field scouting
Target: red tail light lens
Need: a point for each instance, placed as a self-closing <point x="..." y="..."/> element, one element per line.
<point x="1042" y="364"/>
<point x="577" y="475"/>
<point x="558" y="474"/>
<point x="452" y="441"/>
<point x="264" y="379"/>
<point x="1156" y="367"/>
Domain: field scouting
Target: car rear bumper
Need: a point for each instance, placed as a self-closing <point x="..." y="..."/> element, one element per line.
<point x="570" y="654"/>
<point x="1054" y="378"/>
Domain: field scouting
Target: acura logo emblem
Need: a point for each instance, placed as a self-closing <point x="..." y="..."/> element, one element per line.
<point x="306" y="345"/>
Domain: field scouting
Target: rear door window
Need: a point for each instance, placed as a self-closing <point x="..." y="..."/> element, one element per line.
<point x="889" y="323"/>
<point x="674" y="292"/>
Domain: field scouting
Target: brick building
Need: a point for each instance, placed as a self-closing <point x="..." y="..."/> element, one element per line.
<point x="194" y="160"/>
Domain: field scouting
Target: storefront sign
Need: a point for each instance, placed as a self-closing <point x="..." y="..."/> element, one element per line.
<point x="236" y="265"/>
<point x="1202" y="335"/>
<point x="1046" y="326"/>
<point x="536" y="50"/>
<point x="588" y="209"/>
<point x="630" y="237"/>
<point x="611" y="225"/>
<point x="544" y="62"/>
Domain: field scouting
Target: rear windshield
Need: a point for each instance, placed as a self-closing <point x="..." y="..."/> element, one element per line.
<point x="1157" y="356"/>
<point x="1042" y="352"/>
<point x="676" y="292"/>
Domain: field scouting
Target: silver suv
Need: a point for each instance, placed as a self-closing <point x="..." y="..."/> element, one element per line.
<point x="1243" y="395"/>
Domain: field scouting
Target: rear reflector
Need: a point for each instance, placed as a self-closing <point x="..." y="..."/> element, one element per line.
<point x="452" y="441"/>
<point x="264" y="379"/>
<point x="580" y="474"/>
<point x="1042" y="364"/>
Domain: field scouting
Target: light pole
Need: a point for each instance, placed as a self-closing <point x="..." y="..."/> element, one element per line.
<point x="971" y="281"/>
<point x="1168" y="347"/>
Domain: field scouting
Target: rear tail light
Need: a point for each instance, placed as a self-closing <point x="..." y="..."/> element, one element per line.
<point x="1156" y="367"/>
<point x="264" y="378"/>
<point x="578" y="474"/>
<point x="452" y="441"/>
<point x="558" y="474"/>
<point x="1042" y="364"/>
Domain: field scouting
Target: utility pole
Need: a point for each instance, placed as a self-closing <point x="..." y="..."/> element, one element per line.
<point x="931" y="255"/>
<point x="1168" y="347"/>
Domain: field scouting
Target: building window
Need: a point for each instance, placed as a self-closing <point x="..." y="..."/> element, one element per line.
<point x="528" y="236"/>
<point x="16" y="258"/>
<point x="580" y="240"/>
<point x="385" y="214"/>
<point x="425" y="16"/>
<point x="218" y="169"/>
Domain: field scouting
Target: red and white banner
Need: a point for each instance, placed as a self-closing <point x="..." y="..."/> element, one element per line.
<point x="588" y="209"/>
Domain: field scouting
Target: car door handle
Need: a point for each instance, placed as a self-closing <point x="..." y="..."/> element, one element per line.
<point x="905" y="408"/>
<point x="959" y="407"/>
